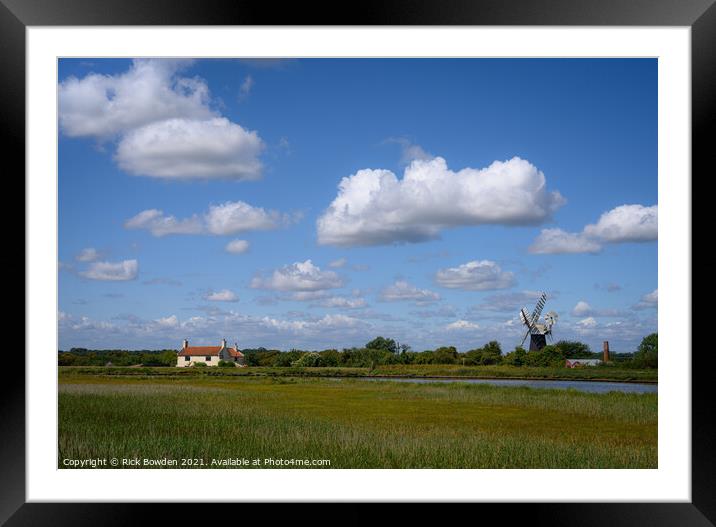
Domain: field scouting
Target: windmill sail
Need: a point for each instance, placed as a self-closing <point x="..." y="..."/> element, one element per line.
<point x="538" y="308"/>
<point x="531" y="320"/>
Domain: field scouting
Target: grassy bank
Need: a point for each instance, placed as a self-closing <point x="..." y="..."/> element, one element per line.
<point x="353" y="424"/>
<point x="427" y="370"/>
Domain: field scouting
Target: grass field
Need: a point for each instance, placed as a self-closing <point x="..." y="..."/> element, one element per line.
<point x="352" y="423"/>
<point x="413" y="370"/>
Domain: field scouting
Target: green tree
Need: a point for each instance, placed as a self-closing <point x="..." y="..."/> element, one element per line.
<point x="647" y="353"/>
<point x="573" y="349"/>
<point x="381" y="343"/>
<point x="445" y="355"/>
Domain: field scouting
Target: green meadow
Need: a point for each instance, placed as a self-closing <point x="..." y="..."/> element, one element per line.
<point x="351" y="422"/>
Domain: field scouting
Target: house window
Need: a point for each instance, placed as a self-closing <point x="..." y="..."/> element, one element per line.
<point x="187" y="358"/>
<point x="208" y="359"/>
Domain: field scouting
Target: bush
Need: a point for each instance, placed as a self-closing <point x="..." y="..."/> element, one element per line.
<point x="226" y="364"/>
<point x="518" y="357"/>
<point x="491" y="353"/>
<point x="330" y="358"/>
<point x="445" y="355"/>
<point x="309" y="359"/>
<point x="199" y="365"/>
<point x="287" y="358"/>
<point x="550" y="356"/>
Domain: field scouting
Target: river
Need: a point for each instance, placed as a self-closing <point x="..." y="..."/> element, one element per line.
<point x="583" y="386"/>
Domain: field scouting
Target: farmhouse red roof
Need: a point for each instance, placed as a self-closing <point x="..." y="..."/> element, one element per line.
<point x="208" y="351"/>
<point x="200" y="350"/>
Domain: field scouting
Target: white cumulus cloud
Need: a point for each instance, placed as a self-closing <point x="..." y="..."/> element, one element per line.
<point x="236" y="216"/>
<point x="626" y="223"/>
<point x="557" y="241"/>
<point x="337" y="264"/>
<point x="342" y="302"/>
<point x="162" y="121"/>
<point x="649" y="300"/>
<point x="124" y="270"/>
<point x="189" y="149"/>
<point x="224" y="219"/>
<point x="87" y="255"/>
<point x="482" y="275"/>
<point x="374" y="207"/>
<point x="237" y="246"/>
<point x="159" y="224"/>
<point x="581" y="309"/>
<point x="298" y="276"/>
<point x="102" y="106"/>
<point x="224" y="295"/>
<point x="461" y="325"/>
<point x="587" y="323"/>
<point x="404" y="291"/>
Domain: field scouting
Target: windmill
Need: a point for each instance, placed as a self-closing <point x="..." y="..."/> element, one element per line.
<point x="538" y="332"/>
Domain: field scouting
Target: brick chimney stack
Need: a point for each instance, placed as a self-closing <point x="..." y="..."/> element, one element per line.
<point x="185" y="344"/>
<point x="223" y="343"/>
<point x="605" y="351"/>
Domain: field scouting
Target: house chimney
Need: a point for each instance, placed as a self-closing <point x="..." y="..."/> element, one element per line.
<point x="185" y="344"/>
<point x="223" y="343"/>
<point x="605" y="351"/>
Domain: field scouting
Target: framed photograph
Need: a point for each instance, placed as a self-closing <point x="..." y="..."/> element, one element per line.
<point x="414" y="256"/>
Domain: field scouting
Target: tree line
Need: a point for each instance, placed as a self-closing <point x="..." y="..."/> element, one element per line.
<point x="379" y="352"/>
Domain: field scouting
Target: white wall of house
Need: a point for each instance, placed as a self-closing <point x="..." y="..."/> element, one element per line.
<point x="183" y="363"/>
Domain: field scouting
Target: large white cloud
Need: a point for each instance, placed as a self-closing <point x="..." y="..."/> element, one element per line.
<point x="151" y="90"/>
<point x="110" y="271"/>
<point x="190" y="149"/>
<point x="298" y="276"/>
<point x="163" y="122"/>
<point x="227" y="218"/>
<point x="626" y="223"/>
<point x="482" y="275"/>
<point x="374" y="207"/>
<point x="402" y="291"/>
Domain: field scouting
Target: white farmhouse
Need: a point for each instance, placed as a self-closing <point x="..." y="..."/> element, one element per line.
<point x="209" y="355"/>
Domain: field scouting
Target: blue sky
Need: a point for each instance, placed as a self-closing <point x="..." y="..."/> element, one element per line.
<point x="318" y="203"/>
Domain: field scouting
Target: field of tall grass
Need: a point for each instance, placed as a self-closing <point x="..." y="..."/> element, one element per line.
<point x="397" y="370"/>
<point x="352" y="423"/>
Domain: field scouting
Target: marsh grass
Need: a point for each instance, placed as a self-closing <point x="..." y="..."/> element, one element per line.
<point x="355" y="424"/>
<point x="398" y="370"/>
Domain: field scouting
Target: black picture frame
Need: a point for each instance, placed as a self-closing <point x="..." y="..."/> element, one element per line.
<point x="699" y="15"/>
